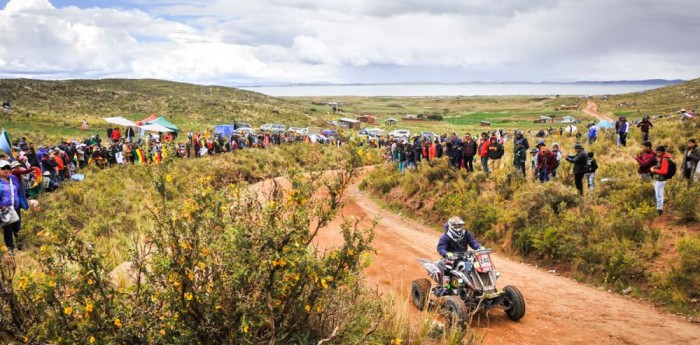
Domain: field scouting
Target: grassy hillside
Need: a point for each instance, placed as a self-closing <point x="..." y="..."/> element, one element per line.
<point x="663" y="100"/>
<point x="58" y="107"/>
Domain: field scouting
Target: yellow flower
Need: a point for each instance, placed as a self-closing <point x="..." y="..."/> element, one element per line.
<point x="3" y="249"/>
<point x="90" y="281"/>
<point x="245" y="328"/>
<point x="52" y="283"/>
<point x="162" y="332"/>
<point x="42" y="249"/>
<point x="168" y="178"/>
<point x="25" y="339"/>
<point x="118" y="323"/>
<point x="397" y="341"/>
<point x="188" y="296"/>
<point x="323" y="283"/>
<point x="308" y="308"/>
<point x="218" y="307"/>
<point x="92" y="340"/>
<point x="89" y="308"/>
<point x="351" y="252"/>
<point x="23" y="283"/>
<point x="190" y="276"/>
<point x="202" y="265"/>
<point x="68" y="311"/>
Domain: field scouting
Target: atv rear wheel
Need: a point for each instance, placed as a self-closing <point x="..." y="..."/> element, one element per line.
<point x="514" y="303"/>
<point x="420" y="291"/>
<point x="457" y="312"/>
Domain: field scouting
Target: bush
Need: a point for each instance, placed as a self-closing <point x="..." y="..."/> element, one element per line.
<point x="218" y="265"/>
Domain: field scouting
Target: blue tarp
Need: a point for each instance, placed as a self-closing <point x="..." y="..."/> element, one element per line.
<point x="605" y="124"/>
<point x="224" y="130"/>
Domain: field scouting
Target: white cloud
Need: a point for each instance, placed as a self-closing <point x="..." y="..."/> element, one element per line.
<point x="216" y="41"/>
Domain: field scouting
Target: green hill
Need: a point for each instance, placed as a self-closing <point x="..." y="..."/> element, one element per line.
<point x="58" y="107"/>
<point x="664" y="100"/>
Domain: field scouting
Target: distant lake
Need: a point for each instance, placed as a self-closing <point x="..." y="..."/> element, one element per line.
<point x="433" y="90"/>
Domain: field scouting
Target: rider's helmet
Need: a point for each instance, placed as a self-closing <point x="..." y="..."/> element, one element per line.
<point x="455" y="228"/>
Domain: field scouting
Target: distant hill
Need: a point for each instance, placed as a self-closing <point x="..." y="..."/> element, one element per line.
<point x="663" y="100"/>
<point x="66" y="103"/>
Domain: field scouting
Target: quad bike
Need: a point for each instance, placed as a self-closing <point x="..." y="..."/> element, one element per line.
<point x="468" y="285"/>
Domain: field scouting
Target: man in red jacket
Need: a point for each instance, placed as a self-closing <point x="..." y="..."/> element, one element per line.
<point x="546" y="160"/>
<point x="659" y="172"/>
<point x="484" y="151"/>
<point x="646" y="160"/>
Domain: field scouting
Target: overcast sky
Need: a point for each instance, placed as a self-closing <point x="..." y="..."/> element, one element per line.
<point x="234" y="42"/>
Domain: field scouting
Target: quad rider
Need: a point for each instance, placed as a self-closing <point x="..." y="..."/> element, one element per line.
<point x="455" y="240"/>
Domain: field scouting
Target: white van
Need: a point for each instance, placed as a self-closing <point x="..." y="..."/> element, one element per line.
<point x="400" y="133"/>
<point x="273" y="127"/>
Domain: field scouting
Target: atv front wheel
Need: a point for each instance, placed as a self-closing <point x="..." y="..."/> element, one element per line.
<point x="420" y="290"/>
<point x="457" y="312"/>
<point x="514" y="303"/>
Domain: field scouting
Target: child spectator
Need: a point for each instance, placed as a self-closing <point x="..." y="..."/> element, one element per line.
<point x="591" y="167"/>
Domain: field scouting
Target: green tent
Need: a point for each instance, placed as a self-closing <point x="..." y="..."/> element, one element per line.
<point x="163" y="122"/>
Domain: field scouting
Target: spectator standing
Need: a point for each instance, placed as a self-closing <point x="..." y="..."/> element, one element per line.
<point x="469" y="150"/>
<point x="645" y="125"/>
<point x="545" y="161"/>
<point x="533" y="162"/>
<point x="455" y="151"/>
<point x="12" y="196"/>
<point x="592" y="133"/>
<point x="84" y="125"/>
<point x="557" y="153"/>
<point x="116" y="135"/>
<point x="646" y="160"/>
<point x="690" y="161"/>
<point x="109" y="133"/>
<point x="495" y="154"/>
<point x="659" y="175"/>
<point x="519" y="158"/>
<point x="579" y="159"/>
<point x="591" y="167"/>
<point x="622" y="127"/>
<point x="484" y="152"/>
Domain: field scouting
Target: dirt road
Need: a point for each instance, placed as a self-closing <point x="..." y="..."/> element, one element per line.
<point x="559" y="310"/>
<point x="592" y="109"/>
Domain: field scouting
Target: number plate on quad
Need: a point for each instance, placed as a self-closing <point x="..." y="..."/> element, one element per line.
<point x="484" y="262"/>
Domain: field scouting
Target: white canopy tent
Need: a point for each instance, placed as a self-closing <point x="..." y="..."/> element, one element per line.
<point x="120" y="121"/>
<point x="156" y="128"/>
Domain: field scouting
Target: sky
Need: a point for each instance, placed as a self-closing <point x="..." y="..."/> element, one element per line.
<point x="262" y="42"/>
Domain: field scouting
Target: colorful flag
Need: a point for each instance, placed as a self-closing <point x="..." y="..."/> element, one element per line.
<point x="6" y="144"/>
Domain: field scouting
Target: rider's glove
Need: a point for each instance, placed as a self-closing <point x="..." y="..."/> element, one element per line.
<point x="449" y="255"/>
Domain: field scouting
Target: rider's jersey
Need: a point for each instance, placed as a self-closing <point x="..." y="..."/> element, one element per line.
<point x="446" y="244"/>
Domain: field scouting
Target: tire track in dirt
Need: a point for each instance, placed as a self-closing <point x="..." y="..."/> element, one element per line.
<point x="559" y="310"/>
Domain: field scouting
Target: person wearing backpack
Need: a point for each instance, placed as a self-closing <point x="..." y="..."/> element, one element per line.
<point x="664" y="170"/>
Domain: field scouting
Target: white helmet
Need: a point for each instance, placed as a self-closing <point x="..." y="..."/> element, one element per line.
<point x="455" y="229"/>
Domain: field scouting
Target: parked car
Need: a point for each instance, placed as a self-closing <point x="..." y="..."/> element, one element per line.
<point x="237" y="125"/>
<point x="293" y="129"/>
<point x="428" y="135"/>
<point x="569" y="119"/>
<point x="330" y="133"/>
<point x="273" y="127"/>
<point x="377" y="132"/>
<point x="400" y="133"/>
<point x="318" y="138"/>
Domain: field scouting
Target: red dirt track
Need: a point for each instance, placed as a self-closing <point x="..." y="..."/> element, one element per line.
<point x="559" y="310"/>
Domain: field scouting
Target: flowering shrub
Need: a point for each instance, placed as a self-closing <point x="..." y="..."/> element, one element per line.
<point x="220" y="264"/>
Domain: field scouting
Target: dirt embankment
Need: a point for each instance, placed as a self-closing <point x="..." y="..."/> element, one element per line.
<point x="559" y="310"/>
